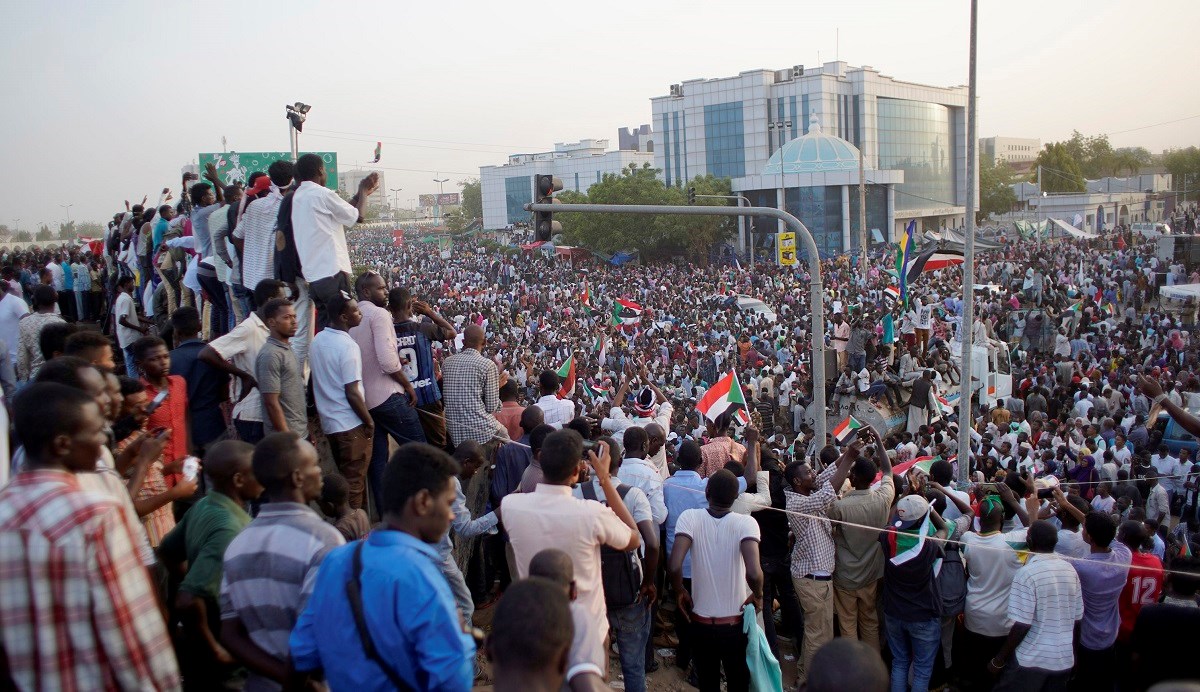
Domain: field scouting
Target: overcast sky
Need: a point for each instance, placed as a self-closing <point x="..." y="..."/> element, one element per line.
<point x="106" y="100"/>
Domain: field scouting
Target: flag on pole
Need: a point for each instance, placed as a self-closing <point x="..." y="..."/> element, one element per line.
<point x="725" y="395"/>
<point x="931" y="260"/>
<point x="378" y="151"/>
<point x="905" y="248"/>
<point x="889" y="330"/>
<point x="586" y="300"/>
<point x="891" y="294"/>
<point x="600" y="348"/>
<point x="922" y="463"/>
<point x="567" y="375"/>
<point x="594" y="393"/>
<point x="846" y="428"/>
<point x="626" y="312"/>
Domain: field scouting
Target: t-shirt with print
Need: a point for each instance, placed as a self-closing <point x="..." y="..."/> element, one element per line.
<point x="413" y="340"/>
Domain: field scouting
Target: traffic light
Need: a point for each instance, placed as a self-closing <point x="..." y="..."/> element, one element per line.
<point x="692" y="195"/>
<point x="544" y="225"/>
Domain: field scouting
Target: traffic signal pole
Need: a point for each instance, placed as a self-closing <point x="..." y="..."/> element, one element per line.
<point x="816" y="292"/>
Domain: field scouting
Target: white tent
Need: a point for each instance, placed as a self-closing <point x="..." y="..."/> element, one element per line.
<point x="1180" y="291"/>
<point x="1072" y="231"/>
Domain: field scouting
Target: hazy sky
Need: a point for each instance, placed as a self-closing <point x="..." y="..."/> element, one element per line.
<point x="106" y="100"/>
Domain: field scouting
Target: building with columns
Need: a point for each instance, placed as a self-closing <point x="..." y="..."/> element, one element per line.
<point x="912" y="137"/>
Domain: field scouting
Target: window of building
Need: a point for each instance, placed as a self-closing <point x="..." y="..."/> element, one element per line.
<point x="920" y="139"/>
<point x="518" y="191"/>
<point x="724" y="140"/>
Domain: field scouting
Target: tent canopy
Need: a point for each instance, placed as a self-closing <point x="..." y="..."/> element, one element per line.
<point x="1071" y="230"/>
<point x="1181" y="291"/>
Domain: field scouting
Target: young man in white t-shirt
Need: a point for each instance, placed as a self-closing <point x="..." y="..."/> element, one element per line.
<point x="129" y="326"/>
<point x="337" y="387"/>
<point x="726" y="575"/>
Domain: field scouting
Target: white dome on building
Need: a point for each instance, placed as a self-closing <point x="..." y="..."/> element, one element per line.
<point x="812" y="153"/>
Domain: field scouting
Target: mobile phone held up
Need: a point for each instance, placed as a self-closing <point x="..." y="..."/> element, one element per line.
<point x="157" y="401"/>
<point x="191" y="467"/>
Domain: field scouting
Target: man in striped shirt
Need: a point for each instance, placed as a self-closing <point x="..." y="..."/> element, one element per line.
<point x="79" y="611"/>
<point x="1044" y="604"/>
<point x="271" y="567"/>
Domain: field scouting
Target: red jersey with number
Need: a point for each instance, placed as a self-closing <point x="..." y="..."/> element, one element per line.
<point x="1143" y="586"/>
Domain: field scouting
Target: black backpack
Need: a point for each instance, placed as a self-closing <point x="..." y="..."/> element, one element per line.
<point x="952" y="581"/>
<point x="620" y="571"/>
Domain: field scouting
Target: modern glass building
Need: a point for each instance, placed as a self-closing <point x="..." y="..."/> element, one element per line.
<point x="912" y="136"/>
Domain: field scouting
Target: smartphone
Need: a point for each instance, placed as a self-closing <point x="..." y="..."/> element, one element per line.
<point x="191" y="467"/>
<point x="158" y="401"/>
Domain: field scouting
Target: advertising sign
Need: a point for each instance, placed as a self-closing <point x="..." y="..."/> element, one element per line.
<point x="237" y="166"/>
<point x="427" y="200"/>
<point x="447" y="198"/>
<point x="787" y="249"/>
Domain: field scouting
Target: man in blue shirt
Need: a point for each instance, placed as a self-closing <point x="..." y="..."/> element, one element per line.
<point x="407" y="611"/>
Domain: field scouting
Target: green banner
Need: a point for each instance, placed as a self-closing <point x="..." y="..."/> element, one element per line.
<point x="237" y="166"/>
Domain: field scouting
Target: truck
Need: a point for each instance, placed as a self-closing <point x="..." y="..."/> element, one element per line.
<point x="993" y="381"/>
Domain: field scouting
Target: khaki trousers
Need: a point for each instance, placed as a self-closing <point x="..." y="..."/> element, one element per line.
<point x="816" y="601"/>
<point x="857" y="613"/>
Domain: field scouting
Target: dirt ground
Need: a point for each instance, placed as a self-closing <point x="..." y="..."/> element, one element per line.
<point x="667" y="678"/>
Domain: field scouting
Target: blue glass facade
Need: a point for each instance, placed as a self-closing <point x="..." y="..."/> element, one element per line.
<point x="675" y="122"/>
<point x="666" y="134"/>
<point x="518" y="191"/>
<point x="919" y="139"/>
<point x="820" y="209"/>
<point x="724" y="140"/>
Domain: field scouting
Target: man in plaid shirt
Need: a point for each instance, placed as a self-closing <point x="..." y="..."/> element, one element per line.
<point x="78" y="609"/>
<point x="471" y="385"/>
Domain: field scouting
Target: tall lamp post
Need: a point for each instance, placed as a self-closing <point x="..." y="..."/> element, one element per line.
<point x="778" y="126"/>
<point x="437" y="213"/>
<point x="296" y="114"/>
<point x="396" y="198"/>
<point x="68" y="208"/>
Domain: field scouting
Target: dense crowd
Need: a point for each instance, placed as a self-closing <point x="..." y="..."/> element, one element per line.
<point x="293" y="456"/>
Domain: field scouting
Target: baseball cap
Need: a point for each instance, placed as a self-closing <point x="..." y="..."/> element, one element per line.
<point x="910" y="510"/>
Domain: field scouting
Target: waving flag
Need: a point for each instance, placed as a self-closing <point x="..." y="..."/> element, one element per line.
<point x="626" y="312"/>
<point x="567" y="374"/>
<point x="922" y="463"/>
<point x="906" y="246"/>
<point x="600" y="348"/>
<point x="846" y="428"/>
<point x="378" y="151"/>
<point x="891" y="294"/>
<point x="931" y="260"/>
<point x="725" y="395"/>
<point x="586" y="300"/>
<point x="594" y="393"/>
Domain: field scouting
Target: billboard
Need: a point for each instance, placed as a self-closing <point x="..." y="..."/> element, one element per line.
<point x="787" y="249"/>
<point x="236" y="166"/>
<point x="443" y="200"/>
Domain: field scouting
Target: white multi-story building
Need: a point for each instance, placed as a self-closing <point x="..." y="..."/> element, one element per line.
<point x="508" y="188"/>
<point x="1011" y="149"/>
<point x="348" y="183"/>
<point x="731" y="126"/>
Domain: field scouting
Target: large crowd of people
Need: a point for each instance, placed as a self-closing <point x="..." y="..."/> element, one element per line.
<point x="252" y="448"/>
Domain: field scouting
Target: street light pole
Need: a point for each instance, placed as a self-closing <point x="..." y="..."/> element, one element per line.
<point x="967" y="385"/>
<point x="68" y="208"/>
<point x="438" y="207"/>
<point x="396" y="197"/>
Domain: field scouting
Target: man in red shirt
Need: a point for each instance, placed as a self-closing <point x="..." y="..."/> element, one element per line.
<point x="1145" y="581"/>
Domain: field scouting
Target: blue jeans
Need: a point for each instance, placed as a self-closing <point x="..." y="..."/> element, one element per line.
<point x="398" y="418"/>
<point x="858" y="361"/>
<point x="458" y="587"/>
<point x="130" y="368"/>
<point x="630" y="628"/>
<point x="913" y="644"/>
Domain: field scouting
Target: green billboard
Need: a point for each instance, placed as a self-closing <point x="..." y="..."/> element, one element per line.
<point x="236" y="166"/>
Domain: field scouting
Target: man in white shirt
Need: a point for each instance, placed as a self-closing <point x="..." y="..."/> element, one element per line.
<point x="1168" y="472"/>
<point x="319" y="220"/>
<point x="558" y="412"/>
<point x="650" y="408"/>
<point x="726" y="574"/>
<point x="337" y="387"/>
<point x="637" y="471"/>
<point x="12" y="309"/>
<point x="1158" y="503"/>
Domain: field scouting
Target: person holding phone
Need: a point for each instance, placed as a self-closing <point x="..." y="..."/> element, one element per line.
<point x="171" y="411"/>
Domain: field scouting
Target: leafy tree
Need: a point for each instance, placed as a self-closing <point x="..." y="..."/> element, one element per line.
<point x="373" y="212"/>
<point x="23" y="237"/>
<point x="1184" y="165"/>
<point x="66" y="231"/>
<point x="653" y="235"/>
<point x="89" y="229"/>
<point x="1060" y="169"/>
<point x="44" y="234"/>
<point x="996" y="195"/>
<point x="5" y="233"/>
<point x="472" y="199"/>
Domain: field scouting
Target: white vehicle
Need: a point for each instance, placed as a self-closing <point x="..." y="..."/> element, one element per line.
<point x="1150" y="230"/>
<point x="747" y="303"/>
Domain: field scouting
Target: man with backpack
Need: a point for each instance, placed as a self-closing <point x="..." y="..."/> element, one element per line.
<point x="628" y="578"/>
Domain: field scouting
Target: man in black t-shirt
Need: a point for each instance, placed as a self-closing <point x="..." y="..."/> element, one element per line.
<point x="414" y="337"/>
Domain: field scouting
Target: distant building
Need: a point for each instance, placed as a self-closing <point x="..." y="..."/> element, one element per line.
<point x="734" y="126"/>
<point x="348" y="183"/>
<point x="639" y="139"/>
<point x="1107" y="202"/>
<point x="508" y="188"/>
<point x="1014" y="150"/>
